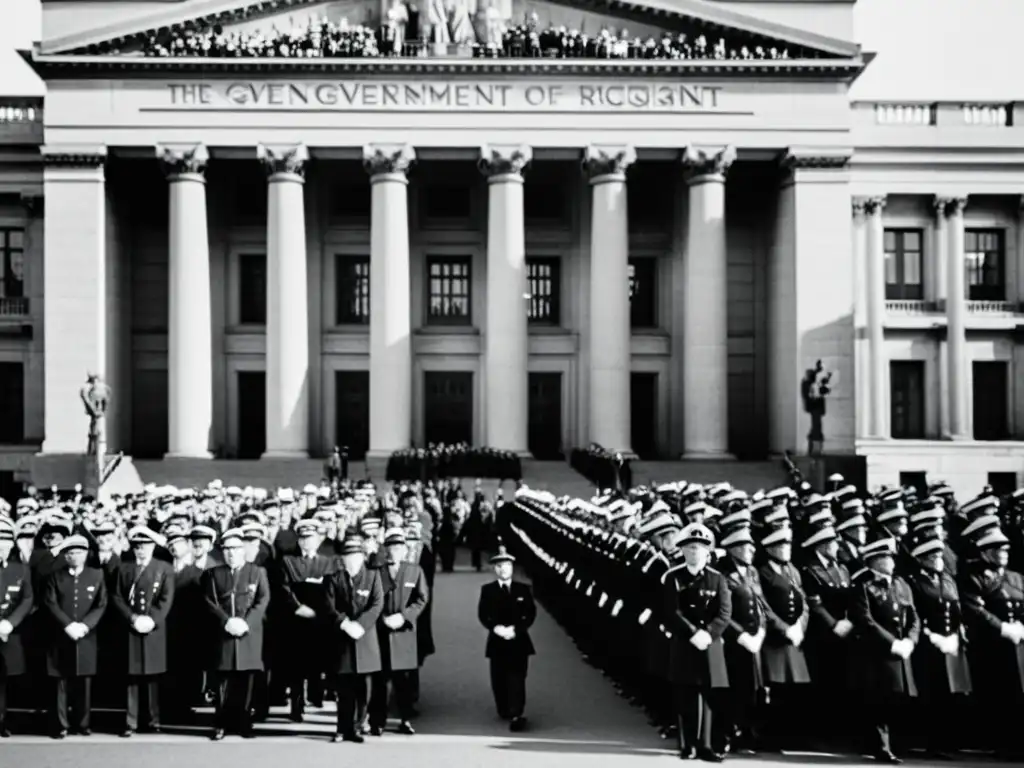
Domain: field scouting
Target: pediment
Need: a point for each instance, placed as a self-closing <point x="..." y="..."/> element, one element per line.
<point x="215" y="27"/>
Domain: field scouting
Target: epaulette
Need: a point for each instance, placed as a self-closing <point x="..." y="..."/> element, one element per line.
<point x="665" y="575"/>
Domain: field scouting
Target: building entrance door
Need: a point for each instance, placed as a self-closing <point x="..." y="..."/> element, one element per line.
<point x="643" y="395"/>
<point x="252" y="414"/>
<point x="448" y="407"/>
<point x="544" y="430"/>
<point x="352" y="412"/>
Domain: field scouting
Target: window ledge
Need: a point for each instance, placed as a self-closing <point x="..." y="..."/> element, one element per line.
<point x="448" y="330"/>
<point x="651" y="332"/>
<point x="349" y="329"/>
<point x="541" y="329"/>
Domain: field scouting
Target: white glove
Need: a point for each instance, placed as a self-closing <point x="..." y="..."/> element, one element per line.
<point x="747" y="641"/>
<point x="305" y="612"/>
<point x="394" y="621"/>
<point x="236" y="626"/>
<point x="6" y="628"/>
<point x="795" y="635"/>
<point x="902" y="648"/>
<point x="72" y="631"/>
<point x="143" y="624"/>
<point x="701" y="640"/>
<point x="352" y="629"/>
<point x="759" y="639"/>
<point x="1011" y="631"/>
<point x="952" y="645"/>
<point x="843" y="627"/>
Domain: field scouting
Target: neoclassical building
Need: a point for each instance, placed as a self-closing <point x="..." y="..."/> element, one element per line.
<point x="277" y="227"/>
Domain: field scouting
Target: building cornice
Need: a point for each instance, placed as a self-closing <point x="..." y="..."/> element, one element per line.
<point x="815" y="159"/>
<point x="61" y="66"/>
<point x="72" y="157"/>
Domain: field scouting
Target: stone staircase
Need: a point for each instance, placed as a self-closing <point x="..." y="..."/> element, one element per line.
<point x="557" y="477"/>
<point x="269" y="473"/>
<point x="748" y="476"/>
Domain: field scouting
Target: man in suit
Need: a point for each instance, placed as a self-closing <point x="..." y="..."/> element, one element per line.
<point x="15" y="606"/>
<point x="236" y="595"/>
<point x="74" y="599"/>
<point x="405" y="596"/>
<point x="354" y="601"/>
<point x="507" y="611"/>
<point x="141" y="596"/>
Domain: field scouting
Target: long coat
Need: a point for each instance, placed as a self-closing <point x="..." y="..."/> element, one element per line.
<point x="68" y="599"/>
<point x="515" y="608"/>
<point x="882" y="612"/>
<point x="15" y="606"/>
<point x="406" y="594"/>
<point x="786" y="605"/>
<point x="109" y="633"/>
<point x="937" y="603"/>
<point x="296" y="581"/>
<point x="827" y="587"/>
<point x="695" y="602"/>
<point x="245" y="597"/>
<point x="146" y="593"/>
<point x="748" y="616"/>
<point x="360" y="599"/>
<point x="991" y="598"/>
<point x="188" y="623"/>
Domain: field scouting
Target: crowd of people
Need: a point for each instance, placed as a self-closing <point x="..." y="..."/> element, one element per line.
<point x="329" y="39"/>
<point x="242" y="598"/>
<point x="789" y="617"/>
<point x="453" y="461"/>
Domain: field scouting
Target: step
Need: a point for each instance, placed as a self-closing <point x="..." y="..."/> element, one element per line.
<point x="198" y="473"/>
<point x="748" y="476"/>
<point x="557" y="477"/>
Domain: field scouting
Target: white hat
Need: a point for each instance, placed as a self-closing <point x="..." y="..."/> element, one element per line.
<point x="826" y="533"/>
<point x="76" y="541"/>
<point x="878" y="549"/>
<point x="778" y="536"/>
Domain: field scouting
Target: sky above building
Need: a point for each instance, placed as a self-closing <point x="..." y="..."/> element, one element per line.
<point x="930" y="50"/>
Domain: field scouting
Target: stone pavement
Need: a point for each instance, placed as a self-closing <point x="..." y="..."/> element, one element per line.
<point x="577" y="721"/>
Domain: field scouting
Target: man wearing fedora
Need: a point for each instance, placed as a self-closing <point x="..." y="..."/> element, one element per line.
<point x="507" y="610"/>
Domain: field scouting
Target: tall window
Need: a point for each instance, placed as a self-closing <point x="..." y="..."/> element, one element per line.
<point x="448" y="290"/>
<point x="543" y="279"/>
<point x="12" y="263"/>
<point x="12" y="403"/>
<point x="642" y="293"/>
<point x="252" y="289"/>
<point x="985" y="264"/>
<point x="903" y="260"/>
<point x="352" y="290"/>
<point x="906" y="399"/>
<point x="991" y="388"/>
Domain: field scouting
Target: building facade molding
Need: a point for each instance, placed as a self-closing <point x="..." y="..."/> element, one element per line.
<point x="179" y="161"/>
<point x="504" y="159"/>
<point x="815" y="159"/>
<point x="74" y="157"/>
<point x="608" y="161"/>
<point x="388" y="159"/>
<point x="289" y="160"/>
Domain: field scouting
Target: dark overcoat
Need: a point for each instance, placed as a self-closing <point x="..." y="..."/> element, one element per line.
<point x="109" y="633"/>
<point x="786" y="605"/>
<point x="990" y="599"/>
<point x="827" y="587"/>
<point x="406" y="594"/>
<point x="149" y="592"/>
<point x="882" y="612"/>
<point x="748" y="616"/>
<point x="246" y="596"/>
<point x="15" y="605"/>
<point x="297" y="581"/>
<point x="68" y="599"/>
<point x="937" y="602"/>
<point x="515" y="608"/>
<point x="694" y="602"/>
<point x="188" y="623"/>
<point x="360" y="599"/>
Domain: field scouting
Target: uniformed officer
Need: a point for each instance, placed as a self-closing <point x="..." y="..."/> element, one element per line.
<point x="141" y="597"/>
<point x="15" y="606"/>
<point x="883" y="614"/>
<point x="188" y="632"/>
<point x="698" y="608"/>
<point x="236" y="595"/>
<point x="405" y="595"/>
<point x="74" y="599"/>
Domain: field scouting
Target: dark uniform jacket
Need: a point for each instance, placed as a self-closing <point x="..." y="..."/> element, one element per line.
<point x="990" y="599"/>
<point x="299" y="580"/>
<point x="882" y="611"/>
<point x="827" y="587"/>
<point x="514" y="608"/>
<point x="748" y="616"/>
<point x="246" y="596"/>
<point x="695" y="602"/>
<point x="405" y="594"/>
<point x="189" y="623"/>
<point x="937" y="602"/>
<point x="149" y="592"/>
<point x="68" y="599"/>
<point x="360" y="599"/>
<point x="786" y="605"/>
<point x="15" y="606"/>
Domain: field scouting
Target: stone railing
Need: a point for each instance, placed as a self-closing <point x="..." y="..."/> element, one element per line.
<point x="14" y="307"/>
<point x="995" y="115"/>
<point x="19" y="114"/>
<point x="992" y="307"/>
<point x="905" y="114"/>
<point x="909" y="307"/>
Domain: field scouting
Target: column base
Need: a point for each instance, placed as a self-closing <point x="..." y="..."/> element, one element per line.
<point x="285" y="455"/>
<point x="189" y="455"/>
<point x="957" y="438"/>
<point x="707" y="456"/>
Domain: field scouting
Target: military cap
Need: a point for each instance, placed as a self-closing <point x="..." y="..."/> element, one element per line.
<point x="202" y="532"/>
<point x="695" y="533"/>
<point x="696" y="508"/>
<point x="890" y="495"/>
<point x="394" y="536"/>
<point x="352" y="545"/>
<point x="6" y="529"/>
<point x="826" y="533"/>
<point x="76" y="542"/>
<point x="835" y="477"/>
<point x="141" y="534"/>
<point x="57" y="523"/>
<point x="103" y="526"/>
<point x="175" y="533"/>
<point x="881" y="548"/>
<point x="892" y="510"/>
<point x="821" y="517"/>
<point x="981" y="505"/>
<point x="927" y="515"/>
<point x="927" y="546"/>
<point x="980" y="525"/>
<point x="502" y="557"/>
<point x="307" y="527"/>
<point x="253" y="531"/>
<point x="230" y="539"/>
<point x="853" y="521"/>
<point x="740" y="535"/>
<point x="993" y="539"/>
<point x="412" y="533"/>
<point x="777" y="536"/>
<point x="778" y="515"/>
<point x="815" y="499"/>
<point x="740" y="517"/>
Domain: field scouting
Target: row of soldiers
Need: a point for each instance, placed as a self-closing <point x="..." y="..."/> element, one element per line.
<point x="452" y="461"/>
<point x="254" y="597"/>
<point x="770" y="621"/>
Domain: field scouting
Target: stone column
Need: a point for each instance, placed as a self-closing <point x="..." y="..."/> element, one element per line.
<point x="878" y="417"/>
<point x="390" y="321"/>
<point x="287" y="313"/>
<point x="938" y="261"/>
<point x="705" y="307"/>
<point x="863" y="400"/>
<point x="956" y="320"/>
<point x="190" y="326"/>
<point x="76" y="324"/>
<point x="506" y="351"/>
<point x="609" y="297"/>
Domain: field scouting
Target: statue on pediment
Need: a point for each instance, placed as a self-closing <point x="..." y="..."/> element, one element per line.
<point x="451" y="22"/>
<point x="395" y="22"/>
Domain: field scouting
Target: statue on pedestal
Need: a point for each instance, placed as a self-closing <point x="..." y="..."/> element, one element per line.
<point x="814" y="389"/>
<point x="96" y="397"/>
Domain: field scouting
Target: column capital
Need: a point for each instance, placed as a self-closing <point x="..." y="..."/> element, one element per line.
<point x="699" y="162"/>
<point x="288" y="160"/>
<point x="33" y="203"/>
<point x="955" y="206"/>
<point x="601" y="161"/>
<point x="183" y="161"/>
<point x="504" y="159"/>
<point x="873" y="205"/>
<point x="939" y="205"/>
<point x="74" y="156"/>
<point x="859" y="206"/>
<point x="383" y="159"/>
